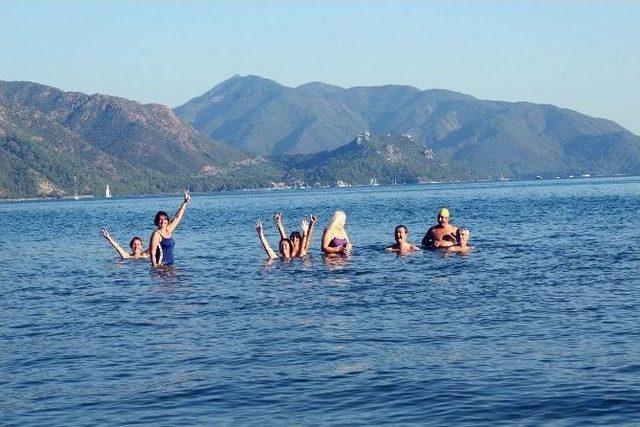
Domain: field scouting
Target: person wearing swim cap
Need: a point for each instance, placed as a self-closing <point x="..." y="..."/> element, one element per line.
<point x="442" y="235"/>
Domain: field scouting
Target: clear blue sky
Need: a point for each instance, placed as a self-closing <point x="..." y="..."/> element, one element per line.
<point x="583" y="55"/>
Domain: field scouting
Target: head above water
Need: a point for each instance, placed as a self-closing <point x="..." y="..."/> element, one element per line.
<point x="443" y="216"/>
<point x="400" y="233"/>
<point x="159" y="216"/>
<point x="338" y="219"/>
<point x="462" y="235"/>
<point x="136" y="244"/>
<point x="286" y="248"/>
<point x="296" y="239"/>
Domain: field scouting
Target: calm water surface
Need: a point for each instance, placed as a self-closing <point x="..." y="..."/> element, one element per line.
<point x="538" y="326"/>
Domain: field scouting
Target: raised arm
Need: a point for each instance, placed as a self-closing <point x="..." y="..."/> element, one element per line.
<point x="123" y="254"/>
<point x="277" y="218"/>
<point x="178" y="216"/>
<point x="306" y="240"/>
<point x="304" y="226"/>
<point x="265" y="244"/>
<point x="154" y="245"/>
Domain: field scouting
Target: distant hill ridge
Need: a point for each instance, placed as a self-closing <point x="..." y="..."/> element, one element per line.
<point x="55" y="143"/>
<point x="515" y="139"/>
<point x="49" y="136"/>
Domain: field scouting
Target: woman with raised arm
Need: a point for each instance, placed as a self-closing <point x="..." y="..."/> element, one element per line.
<point x="162" y="243"/>
<point x="334" y="239"/>
<point x="284" y="246"/>
<point x="299" y="242"/>
<point x="135" y="244"/>
<point x="307" y="232"/>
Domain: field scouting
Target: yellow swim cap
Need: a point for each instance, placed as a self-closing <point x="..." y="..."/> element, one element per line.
<point x="444" y="212"/>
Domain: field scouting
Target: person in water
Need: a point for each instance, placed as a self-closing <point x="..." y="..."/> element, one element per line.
<point x="299" y="242"/>
<point x="402" y="245"/>
<point x="334" y="239"/>
<point x="286" y="246"/>
<point x="462" y="239"/>
<point x="135" y="244"/>
<point x="162" y="243"/>
<point x="441" y="235"/>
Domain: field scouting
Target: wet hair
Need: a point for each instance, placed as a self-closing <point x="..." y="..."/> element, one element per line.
<point x="133" y="240"/>
<point x="295" y="235"/>
<point x="285" y="242"/>
<point x="156" y="221"/>
<point x="406" y="230"/>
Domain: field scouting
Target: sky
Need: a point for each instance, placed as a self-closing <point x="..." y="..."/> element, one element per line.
<point x="578" y="54"/>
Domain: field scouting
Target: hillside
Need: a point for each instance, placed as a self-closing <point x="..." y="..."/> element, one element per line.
<point x="370" y="159"/>
<point x="493" y="138"/>
<point x="48" y="136"/>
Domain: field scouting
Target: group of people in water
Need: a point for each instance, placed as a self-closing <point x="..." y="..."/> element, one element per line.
<point x="161" y="243"/>
<point x="335" y="241"/>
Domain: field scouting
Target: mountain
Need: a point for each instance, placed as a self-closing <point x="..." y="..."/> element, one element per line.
<point x="265" y="117"/>
<point x="493" y="138"/>
<point x="372" y="159"/>
<point x="48" y="137"/>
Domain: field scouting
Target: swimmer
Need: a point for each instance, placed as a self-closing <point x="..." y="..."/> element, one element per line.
<point x="441" y="235"/>
<point x="162" y="243"/>
<point x="462" y="238"/>
<point x="299" y="242"/>
<point x="334" y="239"/>
<point x="295" y="246"/>
<point x="284" y="246"/>
<point x="135" y="244"/>
<point x="402" y="246"/>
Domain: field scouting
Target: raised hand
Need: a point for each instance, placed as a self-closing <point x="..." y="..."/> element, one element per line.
<point x="304" y="225"/>
<point x="277" y="217"/>
<point x="259" y="229"/>
<point x="187" y="196"/>
<point x="105" y="233"/>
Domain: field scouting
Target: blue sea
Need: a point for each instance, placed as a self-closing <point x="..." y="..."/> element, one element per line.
<point x="538" y="326"/>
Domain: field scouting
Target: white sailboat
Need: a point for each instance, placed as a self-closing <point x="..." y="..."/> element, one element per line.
<point x="107" y="192"/>
<point x="75" y="188"/>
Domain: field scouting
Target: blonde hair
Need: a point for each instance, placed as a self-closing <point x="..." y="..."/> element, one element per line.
<point x="337" y="220"/>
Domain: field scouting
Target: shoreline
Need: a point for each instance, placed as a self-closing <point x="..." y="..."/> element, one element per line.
<point x="286" y="188"/>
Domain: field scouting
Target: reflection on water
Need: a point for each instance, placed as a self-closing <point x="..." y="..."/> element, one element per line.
<point x="538" y="313"/>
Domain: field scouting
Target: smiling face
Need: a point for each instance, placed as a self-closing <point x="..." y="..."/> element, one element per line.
<point x="296" y="240"/>
<point x="401" y="234"/>
<point x="161" y="220"/>
<point x="136" y="246"/>
<point x="443" y="220"/>
<point x="285" y="248"/>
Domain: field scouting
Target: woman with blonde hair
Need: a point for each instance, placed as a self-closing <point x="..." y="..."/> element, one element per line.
<point x="334" y="239"/>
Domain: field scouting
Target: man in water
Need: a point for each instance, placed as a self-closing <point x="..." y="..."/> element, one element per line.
<point x="462" y="239"/>
<point x="442" y="235"/>
<point x="402" y="245"/>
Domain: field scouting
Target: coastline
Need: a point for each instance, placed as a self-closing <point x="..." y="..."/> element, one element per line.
<point x="288" y="188"/>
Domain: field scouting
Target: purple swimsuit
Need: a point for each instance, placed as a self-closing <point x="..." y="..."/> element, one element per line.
<point x="337" y="242"/>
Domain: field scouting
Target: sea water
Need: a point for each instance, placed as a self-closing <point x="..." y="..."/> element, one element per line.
<point x="538" y="326"/>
